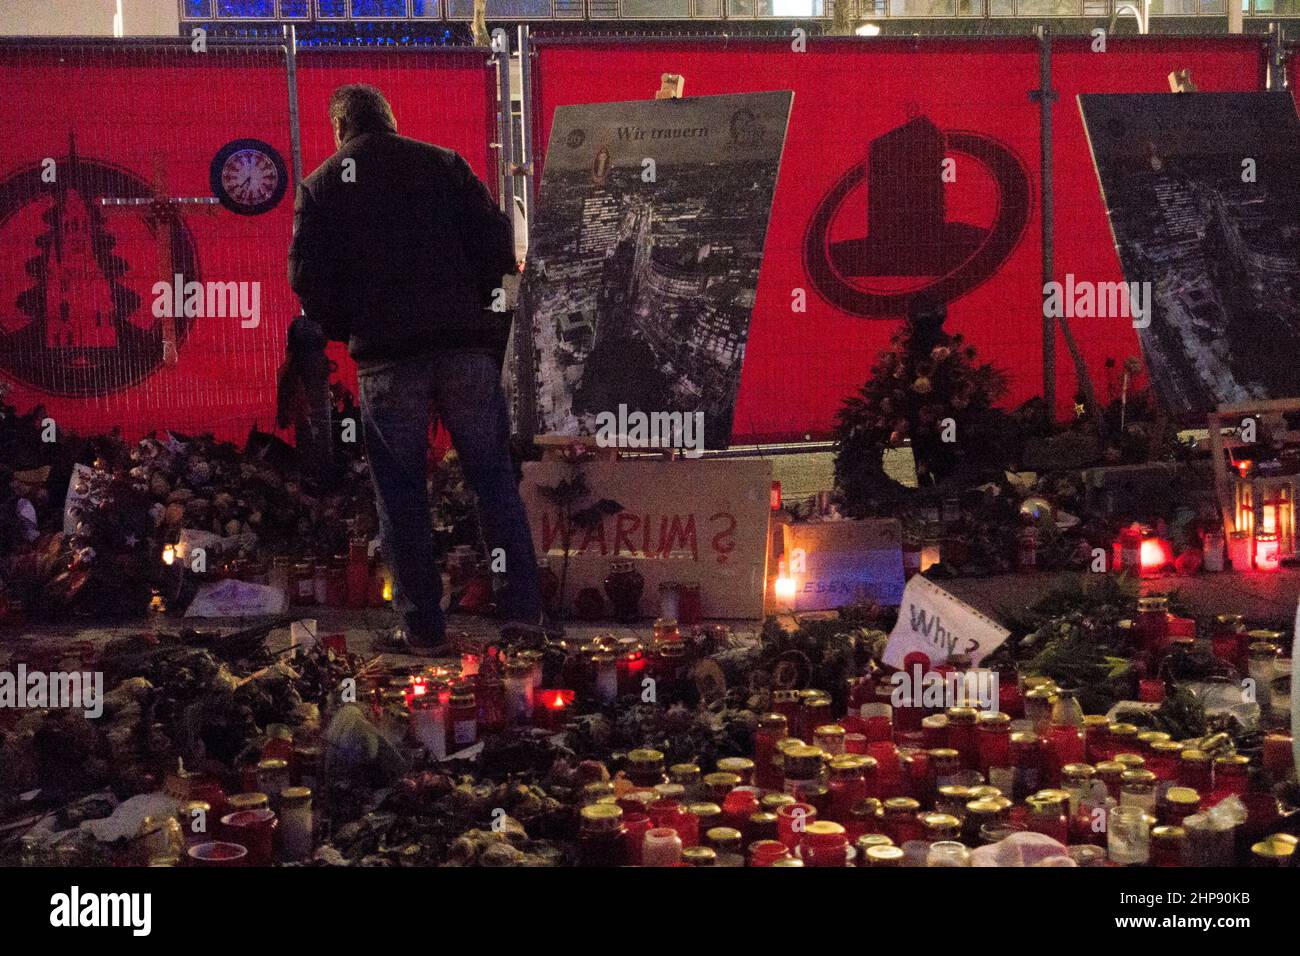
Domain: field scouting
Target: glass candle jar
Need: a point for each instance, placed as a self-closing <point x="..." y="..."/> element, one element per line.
<point x="1076" y="780"/>
<point x="1231" y="776"/>
<point x="848" y="785"/>
<point x="993" y="741"/>
<point x="898" y="819"/>
<point x="1196" y="770"/>
<point x="602" y="837"/>
<point x="1047" y="812"/>
<point x="604" y="671"/>
<point x="724" y="844"/>
<point x="742" y="767"/>
<point x="1177" y="804"/>
<point x="771" y="728"/>
<point x="738" y="806"/>
<point x="864" y="818"/>
<point x="1162" y="758"/>
<point x="814" y="712"/>
<point x="948" y="853"/>
<point x="1168" y="846"/>
<point x="699" y="856"/>
<point x="877" y="721"/>
<point x="952" y="799"/>
<point x="462" y="719"/>
<point x="1120" y="738"/>
<point x="944" y="765"/>
<point x="791" y="820"/>
<point x="865" y="842"/>
<point x="302" y="584"/>
<point x="1261" y="666"/>
<point x="717" y="785"/>
<point x="963" y="736"/>
<point x="767" y="852"/>
<point x="1276" y="851"/>
<point x="645" y="767"/>
<point x="429" y="724"/>
<point x="934" y="731"/>
<point x="661" y="847"/>
<point x="1026" y="763"/>
<point x="937" y="826"/>
<point x="801" y="767"/>
<point x="884" y="856"/>
<point x="985" y="812"/>
<point x="1128" y="836"/>
<point x="708" y="815"/>
<point x="1138" y="789"/>
<point x="830" y="738"/>
<point x="636" y="824"/>
<point x="761" y="825"/>
<point x="295" y="824"/>
<point x="1226" y="638"/>
<point x="1038" y="706"/>
<point x="824" y="843"/>
<point x="1095" y="737"/>
<point x="688" y="777"/>
<point x="519" y="691"/>
<point x="273" y="776"/>
<point x="786" y="703"/>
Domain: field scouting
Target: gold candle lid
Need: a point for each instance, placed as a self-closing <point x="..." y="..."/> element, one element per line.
<point x="699" y="856"/>
<point x="247" y="801"/>
<point x="1183" y="796"/>
<point x="295" y="797"/>
<point x="736" y="765"/>
<point x="884" y="856"/>
<point x="684" y="773"/>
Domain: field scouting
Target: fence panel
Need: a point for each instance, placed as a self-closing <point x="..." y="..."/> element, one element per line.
<point x="80" y="330"/>
<point x="871" y="125"/>
<point x="1085" y="246"/>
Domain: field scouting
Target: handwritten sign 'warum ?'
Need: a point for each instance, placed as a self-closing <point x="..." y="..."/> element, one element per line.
<point x="691" y="522"/>
<point x="939" y="625"/>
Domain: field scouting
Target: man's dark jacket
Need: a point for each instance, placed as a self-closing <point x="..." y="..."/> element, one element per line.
<point x="399" y="255"/>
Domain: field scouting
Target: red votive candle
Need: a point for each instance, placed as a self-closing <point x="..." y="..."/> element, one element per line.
<point x="791" y="821"/>
<point x="824" y="844"/>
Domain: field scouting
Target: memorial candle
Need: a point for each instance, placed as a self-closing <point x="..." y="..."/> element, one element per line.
<point x="661" y="847"/>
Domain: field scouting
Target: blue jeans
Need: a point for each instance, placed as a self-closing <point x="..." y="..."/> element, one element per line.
<point x="400" y="402"/>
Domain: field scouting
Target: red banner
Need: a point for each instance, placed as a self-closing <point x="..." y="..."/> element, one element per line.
<point x="80" y="324"/>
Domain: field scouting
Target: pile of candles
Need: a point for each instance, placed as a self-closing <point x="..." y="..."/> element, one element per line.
<point x="270" y="822"/>
<point x="867" y="793"/>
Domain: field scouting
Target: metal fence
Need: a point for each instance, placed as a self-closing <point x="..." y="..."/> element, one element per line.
<point x="426" y="11"/>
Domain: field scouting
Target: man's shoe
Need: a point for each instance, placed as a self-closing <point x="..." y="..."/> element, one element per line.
<point x="399" y="641"/>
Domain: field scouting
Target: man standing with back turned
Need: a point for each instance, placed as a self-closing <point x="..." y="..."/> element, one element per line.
<point x="397" y="250"/>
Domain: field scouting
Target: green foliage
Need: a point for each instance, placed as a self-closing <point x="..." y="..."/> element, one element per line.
<point x="925" y="377"/>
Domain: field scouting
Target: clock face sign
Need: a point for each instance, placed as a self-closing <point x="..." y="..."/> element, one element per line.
<point x="248" y="176"/>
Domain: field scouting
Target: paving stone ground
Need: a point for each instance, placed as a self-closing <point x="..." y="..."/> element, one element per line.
<point x="1265" y="599"/>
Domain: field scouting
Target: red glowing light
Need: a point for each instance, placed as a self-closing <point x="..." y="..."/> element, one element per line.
<point x="1267" y="552"/>
<point x="1154" y="554"/>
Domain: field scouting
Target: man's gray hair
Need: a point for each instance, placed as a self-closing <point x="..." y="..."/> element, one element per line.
<point x="361" y="108"/>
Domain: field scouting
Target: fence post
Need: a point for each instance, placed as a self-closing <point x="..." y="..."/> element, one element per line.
<point x="525" y="380"/>
<point x="1045" y="96"/>
<point x="291" y="74"/>
<point x="1276" y="59"/>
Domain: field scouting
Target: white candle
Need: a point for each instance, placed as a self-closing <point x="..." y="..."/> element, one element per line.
<point x="295" y="824"/>
<point x="661" y="847"/>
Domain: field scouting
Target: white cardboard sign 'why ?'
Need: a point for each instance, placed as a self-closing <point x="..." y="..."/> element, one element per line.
<point x="939" y="625"/>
